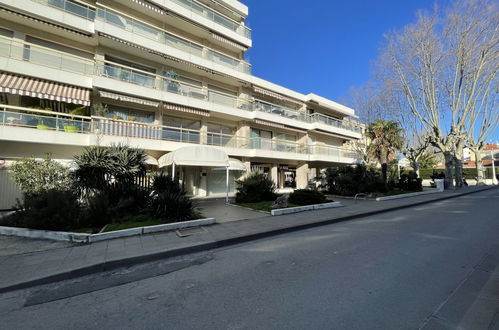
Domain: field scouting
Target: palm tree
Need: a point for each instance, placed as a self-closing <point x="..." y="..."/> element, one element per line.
<point x="386" y="140"/>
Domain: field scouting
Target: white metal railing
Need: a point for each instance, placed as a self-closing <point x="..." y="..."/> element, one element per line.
<point x="215" y="17"/>
<point x="40" y="55"/>
<point x="43" y="119"/>
<point x="56" y="121"/>
<point x="148" y="31"/>
<point x="87" y="12"/>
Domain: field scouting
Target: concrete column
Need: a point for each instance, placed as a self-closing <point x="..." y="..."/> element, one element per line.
<point x="203" y="138"/>
<point x="203" y="182"/>
<point x="274" y="173"/>
<point x="302" y="176"/>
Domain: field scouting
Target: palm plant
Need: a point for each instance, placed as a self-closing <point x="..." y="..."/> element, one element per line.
<point x="386" y="140"/>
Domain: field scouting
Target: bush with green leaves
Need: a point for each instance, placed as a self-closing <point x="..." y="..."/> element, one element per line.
<point x="351" y="180"/>
<point x="410" y="182"/>
<point x="48" y="210"/>
<point x="36" y="176"/>
<point x="169" y="201"/>
<point x="100" y="167"/>
<point x="256" y="187"/>
<point x="306" y="197"/>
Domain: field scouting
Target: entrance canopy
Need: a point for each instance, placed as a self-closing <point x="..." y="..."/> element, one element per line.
<point x="195" y="156"/>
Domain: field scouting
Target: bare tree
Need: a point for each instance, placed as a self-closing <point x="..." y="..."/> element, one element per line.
<point x="445" y="68"/>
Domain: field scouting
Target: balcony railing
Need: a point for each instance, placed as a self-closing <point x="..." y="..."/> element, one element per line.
<point x="55" y="121"/>
<point x="278" y="110"/>
<point x="150" y="80"/>
<point x="71" y="7"/>
<point x="145" y="30"/>
<point x="44" y="56"/>
<point x="43" y="120"/>
<point x="320" y="118"/>
<point x="215" y="17"/>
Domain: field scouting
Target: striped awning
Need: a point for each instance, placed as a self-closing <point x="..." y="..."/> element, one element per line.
<point x="150" y="6"/>
<point x="275" y="95"/>
<point x="44" y="89"/>
<point x="183" y="108"/>
<point x="276" y="125"/>
<point x="168" y="57"/>
<point x="227" y="41"/>
<point x="45" y="22"/>
<point x="126" y="98"/>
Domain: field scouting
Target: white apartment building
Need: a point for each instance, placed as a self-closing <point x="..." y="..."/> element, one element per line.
<point x="164" y="76"/>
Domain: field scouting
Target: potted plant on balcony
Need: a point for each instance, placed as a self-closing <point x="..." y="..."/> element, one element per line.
<point x="42" y="126"/>
<point x="171" y="84"/>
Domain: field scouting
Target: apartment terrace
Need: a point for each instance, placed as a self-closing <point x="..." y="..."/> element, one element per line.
<point x="44" y="120"/>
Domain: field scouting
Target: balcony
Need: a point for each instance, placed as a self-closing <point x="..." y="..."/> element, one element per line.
<point x="278" y="110"/>
<point x="147" y="31"/>
<point x="330" y="121"/>
<point x="215" y="17"/>
<point x="71" y="7"/>
<point x="44" y="120"/>
<point x="134" y="76"/>
<point x="43" y="56"/>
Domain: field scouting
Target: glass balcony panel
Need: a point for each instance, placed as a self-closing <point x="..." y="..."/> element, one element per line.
<point x="222" y="99"/>
<point x="5" y="47"/>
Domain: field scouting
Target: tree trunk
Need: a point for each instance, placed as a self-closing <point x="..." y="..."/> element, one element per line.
<point x="458" y="164"/>
<point x="479" y="167"/>
<point x="449" y="169"/>
<point x="415" y="167"/>
<point x="384" y="169"/>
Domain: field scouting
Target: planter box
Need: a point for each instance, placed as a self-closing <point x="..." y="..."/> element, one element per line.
<point x="297" y="209"/>
<point x="89" y="238"/>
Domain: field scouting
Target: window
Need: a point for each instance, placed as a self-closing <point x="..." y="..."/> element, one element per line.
<point x="181" y="129"/>
<point x="261" y="139"/>
<point x="220" y="135"/>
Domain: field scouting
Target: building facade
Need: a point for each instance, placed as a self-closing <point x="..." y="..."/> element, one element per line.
<point x="159" y="75"/>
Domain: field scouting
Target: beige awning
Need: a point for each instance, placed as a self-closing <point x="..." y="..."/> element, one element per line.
<point x="183" y="108"/>
<point x="44" y="89"/>
<point x="195" y="156"/>
<point x="126" y="98"/>
<point x="150" y="160"/>
<point x="275" y="95"/>
<point x="268" y="123"/>
<point x="150" y="6"/>
<point x="236" y="165"/>
<point x="38" y="20"/>
<point x="227" y="41"/>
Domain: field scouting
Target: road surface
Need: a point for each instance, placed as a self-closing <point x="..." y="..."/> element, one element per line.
<point x="432" y="266"/>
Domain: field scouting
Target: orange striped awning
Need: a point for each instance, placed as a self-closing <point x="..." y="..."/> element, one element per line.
<point x="44" y="89"/>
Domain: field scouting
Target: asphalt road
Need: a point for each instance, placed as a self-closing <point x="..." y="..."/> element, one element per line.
<point x="433" y="266"/>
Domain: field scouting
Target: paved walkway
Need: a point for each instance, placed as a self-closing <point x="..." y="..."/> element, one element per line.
<point x="218" y="209"/>
<point x="23" y="270"/>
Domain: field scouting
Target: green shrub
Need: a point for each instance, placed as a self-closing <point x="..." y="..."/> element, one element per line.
<point x="114" y="203"/>
<point x="350" y="180"/>
<point x="37" y="176"/>
<point x="410" y="182"/>
<point x="168" y="201"/>
<point x="256" y="187"/>
<point x="49" y="210"/>
<point x="306" y="197"/>
<point x="469" y="173"/>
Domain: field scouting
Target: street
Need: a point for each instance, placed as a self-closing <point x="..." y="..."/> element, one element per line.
<point x="433" y="266"/>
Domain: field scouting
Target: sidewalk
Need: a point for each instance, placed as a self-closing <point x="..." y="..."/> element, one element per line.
<point x="30" y="269"/>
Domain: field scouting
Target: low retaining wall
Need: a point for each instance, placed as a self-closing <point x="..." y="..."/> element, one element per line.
<point x="297" y="209"/>
<point x="387" y="198"/>
<point x="89" y="238"/>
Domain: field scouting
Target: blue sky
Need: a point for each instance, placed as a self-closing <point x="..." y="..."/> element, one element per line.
<point x="322" y="46"/>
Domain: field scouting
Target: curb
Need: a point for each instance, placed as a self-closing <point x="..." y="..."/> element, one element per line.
<point x="131" y="261"/>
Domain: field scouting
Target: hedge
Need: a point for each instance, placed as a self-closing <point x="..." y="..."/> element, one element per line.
<point x="469" y="173"/>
